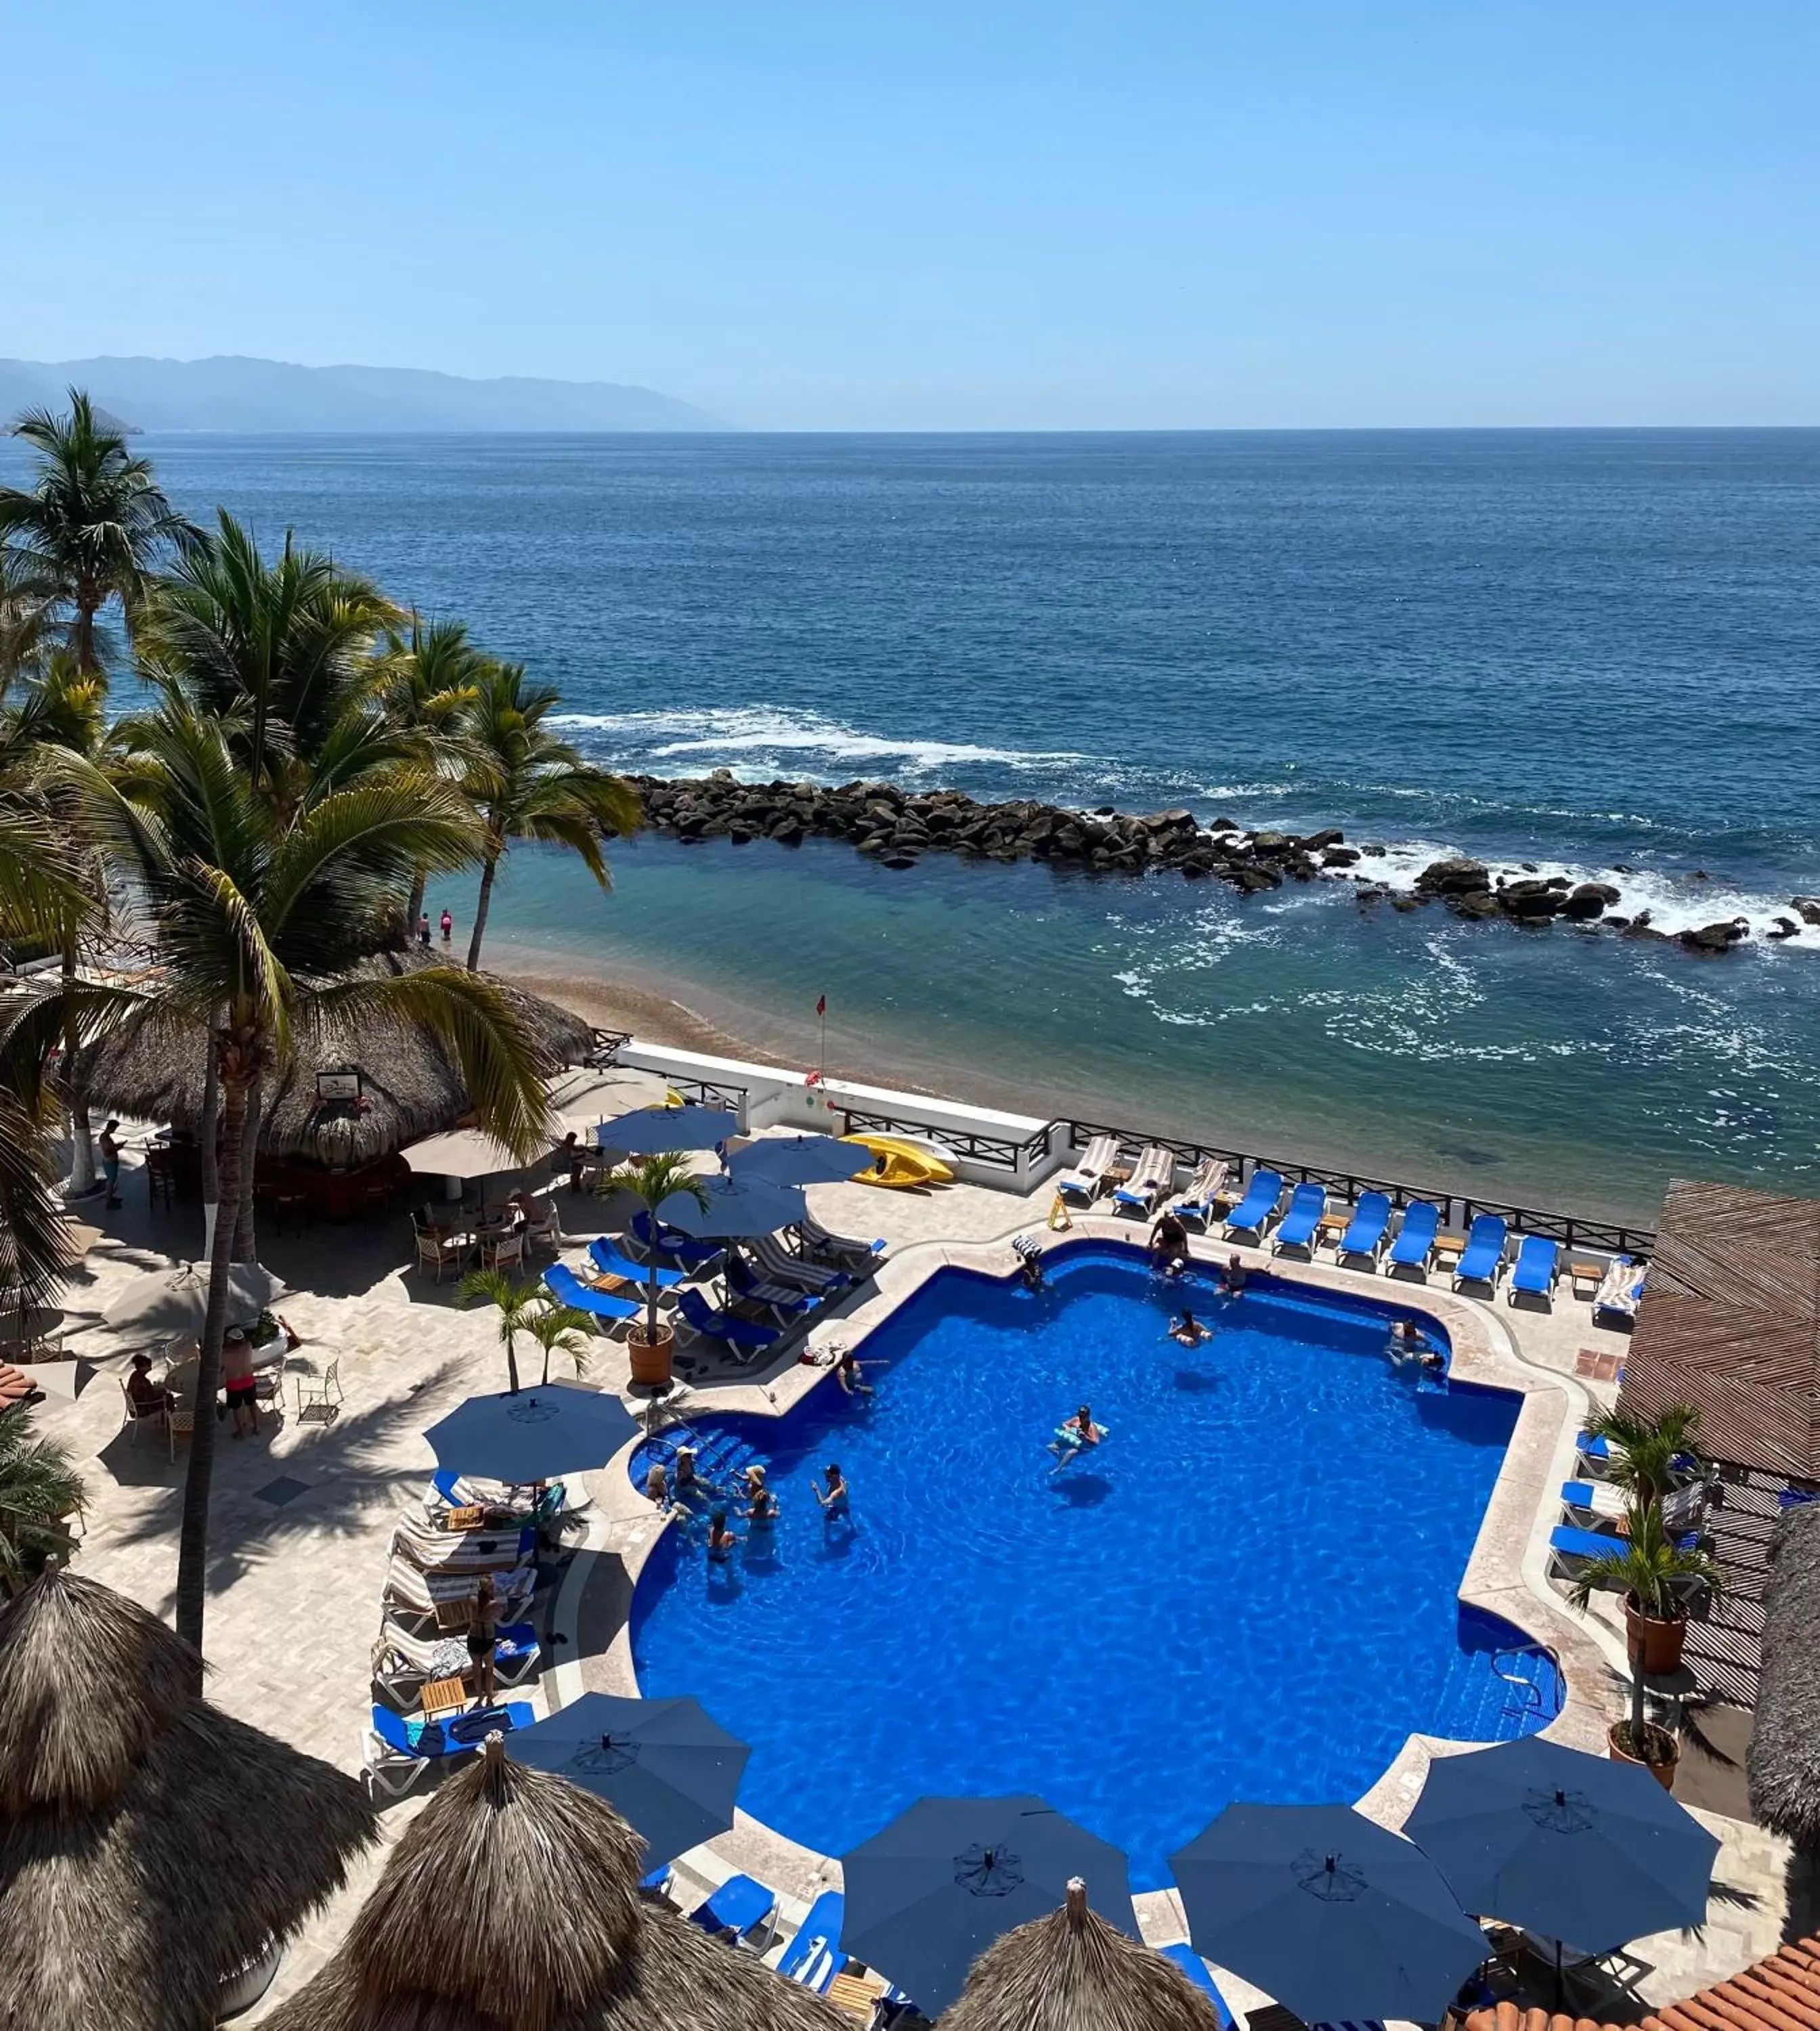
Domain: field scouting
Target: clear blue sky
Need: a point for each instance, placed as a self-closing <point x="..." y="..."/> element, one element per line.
<point x="1288" y="212"/>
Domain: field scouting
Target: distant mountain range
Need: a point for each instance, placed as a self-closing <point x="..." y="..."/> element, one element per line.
<point x="230" y="393"/>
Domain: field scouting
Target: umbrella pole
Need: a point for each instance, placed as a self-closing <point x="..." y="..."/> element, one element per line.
<point x="1559" y="1986"/>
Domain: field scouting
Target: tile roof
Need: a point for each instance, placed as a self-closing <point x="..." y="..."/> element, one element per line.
<point x="1780" y="1994"/>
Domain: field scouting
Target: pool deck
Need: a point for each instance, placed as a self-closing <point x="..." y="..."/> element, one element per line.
<point x="303" y="1514"/>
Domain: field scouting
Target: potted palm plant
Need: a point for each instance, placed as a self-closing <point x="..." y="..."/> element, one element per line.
<point x="1647" y="1454"/>
<point x="1655" y="1575"/>
<point x="650" y="1181"/>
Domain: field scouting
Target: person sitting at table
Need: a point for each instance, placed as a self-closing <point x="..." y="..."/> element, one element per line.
<point x="570" y="1154"/>
<point x="236" y="1375"/>
<point x="147" y="1400"/>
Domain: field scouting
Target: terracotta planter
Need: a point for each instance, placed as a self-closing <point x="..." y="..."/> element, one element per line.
<point x="1660" y="1739"/>
<point x="1660" y="1641"/>
<point x="649" y="1358"/>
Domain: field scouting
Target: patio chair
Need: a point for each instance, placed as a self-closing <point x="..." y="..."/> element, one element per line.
<point x="318" y="1389"/>
<point x="546" y="1232"/>
<point x="133" y="1415"/>
<point x="398" y="1751"/>
<point x="440" y="1251"/>
<point x="502" y="1251"/>
<point x="403" y="1659"/>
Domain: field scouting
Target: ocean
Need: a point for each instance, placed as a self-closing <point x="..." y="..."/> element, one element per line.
<point x="1587" y="650"/>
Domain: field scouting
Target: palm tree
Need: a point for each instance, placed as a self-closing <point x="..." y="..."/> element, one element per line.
<point x="527" y="784"/>
<point x="560" y="1329"/>
<point x="27" y="598"/>
<point x="38" y="1487"/>
<point x="517" y="1303"/>
<point x="94" y="525"/>
<point x="652" y="1181"/>
<point x="259" y="907"/>
<point x="429" y="680"/>
<point x="1654" y="1574"/>
<point x="1647" y="1453"/>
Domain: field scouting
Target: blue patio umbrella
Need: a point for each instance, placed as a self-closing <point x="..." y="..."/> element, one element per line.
<point x="801" y="1160"/>
<point x="931" y="1892"/>
<point x="1563" y="1843"/>
<point x="660" y="1131"/>
<point x="666" y="1767"/>
<point x="1327" y="1912"/>
<point x="736" y="1206"/>
<point x="533" y="1434"/>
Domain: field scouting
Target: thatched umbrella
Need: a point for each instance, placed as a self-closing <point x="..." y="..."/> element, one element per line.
<point x="150" y="1844"/>
<point x="1785" y="1757"/>
<point x="408" y="1085"/>
<point x="1072" y="1971"/>
<point x="510" y="1903"/>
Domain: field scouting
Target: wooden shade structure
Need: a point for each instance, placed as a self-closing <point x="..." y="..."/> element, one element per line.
<point x="511" y="1903"/>
<point x="1729" y="1322"/>
<point x="151" y="1846"/>
<point x="1785" y="1756"/>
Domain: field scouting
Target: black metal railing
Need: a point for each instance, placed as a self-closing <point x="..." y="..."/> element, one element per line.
<point x="606" y="1045"/>
<point x="707" y="1092"/>
<point x="1000" y="1152"/>
<point x="1571" y="1230"/>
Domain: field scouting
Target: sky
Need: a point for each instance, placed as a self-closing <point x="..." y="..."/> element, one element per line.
<point x="1284" y="214"/>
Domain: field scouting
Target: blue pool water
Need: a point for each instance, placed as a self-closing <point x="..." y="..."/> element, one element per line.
<point x="1248" y="1592"/>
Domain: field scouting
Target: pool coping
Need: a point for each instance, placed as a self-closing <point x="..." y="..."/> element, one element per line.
<point x="1505" y="1573"/>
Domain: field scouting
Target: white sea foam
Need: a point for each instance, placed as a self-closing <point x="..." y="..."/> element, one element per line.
<point x="751" y="731"/>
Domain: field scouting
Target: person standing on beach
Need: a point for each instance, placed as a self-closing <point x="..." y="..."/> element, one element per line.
<point x="424" y="930"/>
<point x="109" y="1149"/>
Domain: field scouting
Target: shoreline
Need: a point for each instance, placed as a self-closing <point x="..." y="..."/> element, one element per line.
<point x="652" y="1006"/>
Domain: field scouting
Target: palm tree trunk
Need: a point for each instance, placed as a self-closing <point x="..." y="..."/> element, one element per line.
<point x="193" y="1539"/>
<point x="83" y="633"/>
<point x="75" y="1086"/>
<point x="211" y="1135"/>
<point x="419" y="882"/>
<point x="246" y="1241"/>
<point x="487" y="872"/>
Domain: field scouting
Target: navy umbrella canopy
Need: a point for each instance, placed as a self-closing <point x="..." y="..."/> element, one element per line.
<point x="531" y="1435"/>
<point x="663" y="1131"/>
<point x="1563" y="1843"/>
<point x="1327" y="1912"/>
<point x="666" y="1767"/>
<point x="801" y="1160"/>
<point x="736" y="1207"/>
<point x="927" y="1895"/>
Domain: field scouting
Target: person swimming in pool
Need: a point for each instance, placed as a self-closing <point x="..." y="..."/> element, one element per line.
<point x="721" y="1539"/>
<point x="761" y="1504"/>
<point x="685" y="1484"/>
<point x="833" y="1496"/>
<point x="1072" y="1439"/>
<point x="1234" y="1274"/>
<point x="1188" y="1329"/>
<point x="1405" y="1343"/>
<point x="848" y="1373"/>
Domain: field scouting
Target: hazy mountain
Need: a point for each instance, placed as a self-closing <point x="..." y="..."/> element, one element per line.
<point x="233" y="394"/>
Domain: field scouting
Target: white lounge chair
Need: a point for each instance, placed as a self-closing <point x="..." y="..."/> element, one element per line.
<point x="484" y="1551"/>
<point x="1619" y="1290"/>
<point x="1087" y="1180"/>
<point x="776" y="1263"/>
<point x="403" y="1659"/>
<point x="1211" y="1178"/>
<point x="446" y="1601"/>
<point x="1151" y="1176"/>
<point x="856" y="1257"/>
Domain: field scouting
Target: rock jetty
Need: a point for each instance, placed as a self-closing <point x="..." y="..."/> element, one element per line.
<point x="897" y="827"/>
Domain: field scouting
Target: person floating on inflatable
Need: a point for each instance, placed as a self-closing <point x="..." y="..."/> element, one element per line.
<point x="1028" y="1250"/>
<point x="1408" y="1342"/>
<point x="1072" y="1439"/>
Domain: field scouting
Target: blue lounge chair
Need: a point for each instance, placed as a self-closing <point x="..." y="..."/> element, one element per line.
<point x="1250" y="1214"/>
<point x="744" y="1283"/>
<point x="1302" y="1223"/>
<point x="1366" y="1231"/>
<point x="1538" y="1263"/>
<point x="1794" y="1498"/>
<point x="1484" y="1254"/>
<point x="655" y="1883"/>
<point x="567" y="1288"/>
<point x="402" y="1750"/>
<point x="813" y="1957"/>
<point x="1195" y="1969"/>
<point x="1415" y="1242"/>
<point x="610" y="1262"/>
<point x="745" y="1334"/>
<point x="671" y="1246"/>
<point x="740" y="1904"/>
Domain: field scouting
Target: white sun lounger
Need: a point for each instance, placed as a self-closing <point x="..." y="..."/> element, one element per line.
<point x="403" y="1659"/>
<point x="447" y="1599"/>
<point x="1151" y="1176"/>
<point x="1208" y="1183"/>
<point x="1620" y="1289"/>
<point x="1087" y="1180"/>
<point x="436" y="1550"/>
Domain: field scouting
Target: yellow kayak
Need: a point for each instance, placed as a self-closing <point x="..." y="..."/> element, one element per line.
<point x="902" y="1165"/>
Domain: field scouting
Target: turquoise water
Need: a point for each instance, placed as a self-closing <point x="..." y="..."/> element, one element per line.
<point x="1590" y="650"/>
<point x="1248" y="1592"/>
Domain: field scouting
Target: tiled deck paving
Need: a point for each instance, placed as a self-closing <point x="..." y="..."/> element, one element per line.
<point x="295" y="1582"/>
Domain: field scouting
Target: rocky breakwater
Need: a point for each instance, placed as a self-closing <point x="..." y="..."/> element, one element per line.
<point x="897" y="827"/>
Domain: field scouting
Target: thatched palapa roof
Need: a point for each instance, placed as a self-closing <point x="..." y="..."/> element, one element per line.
<point x="510" y="1903"/>
<point x="1729" y="1322"/>
<point x="408" y="1085"/>
<point x="149" y="1844"/>
<point x="1072" y="1971"/>
<point x="1785" y="1757"/>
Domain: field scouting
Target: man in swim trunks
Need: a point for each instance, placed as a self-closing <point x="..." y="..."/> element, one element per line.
<point x="1235" y="1275"/>
<point x="1170" y="1244"/>
<point x="834" y="1498"/>
<point x="236" y="1375"/>
<point x="1188" y="1329"/>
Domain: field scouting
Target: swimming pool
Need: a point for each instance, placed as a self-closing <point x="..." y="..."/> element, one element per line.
<point x="1248" y="1591"/>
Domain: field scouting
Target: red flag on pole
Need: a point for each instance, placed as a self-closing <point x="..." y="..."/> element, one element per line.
<point x="822" y="1005"/>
